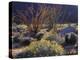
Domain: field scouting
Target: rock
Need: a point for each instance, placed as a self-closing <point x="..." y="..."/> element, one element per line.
<point x="71" y="39"/>
<point x="39" y="36"/>
<point x="25" y="41"/>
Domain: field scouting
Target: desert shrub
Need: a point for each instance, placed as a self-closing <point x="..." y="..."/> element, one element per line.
<point x="44" y="48"/>
<point x="22" y="26"/>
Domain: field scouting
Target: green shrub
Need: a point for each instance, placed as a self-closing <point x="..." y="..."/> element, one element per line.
<point x="45" y="48"/>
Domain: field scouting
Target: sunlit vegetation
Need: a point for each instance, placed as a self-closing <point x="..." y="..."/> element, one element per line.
<point x="41" y="48"/>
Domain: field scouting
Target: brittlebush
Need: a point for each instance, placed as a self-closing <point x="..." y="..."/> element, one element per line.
<point x="45" y="47"/>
